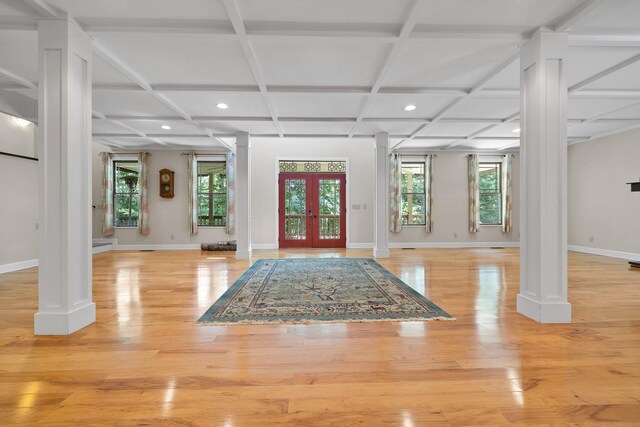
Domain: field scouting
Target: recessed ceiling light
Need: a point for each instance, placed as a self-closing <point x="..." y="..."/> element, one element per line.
<point x="516" y="130"/>
<point x="410" y="107"/>
<point x="222" y="106"/>
<point x="165" y="127"/>
<point x="20" y="122"/>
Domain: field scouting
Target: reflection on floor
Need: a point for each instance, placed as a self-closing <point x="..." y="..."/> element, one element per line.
<point x="145" y="359"/>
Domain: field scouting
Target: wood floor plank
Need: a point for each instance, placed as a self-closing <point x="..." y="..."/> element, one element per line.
<point x="147" y="362"/>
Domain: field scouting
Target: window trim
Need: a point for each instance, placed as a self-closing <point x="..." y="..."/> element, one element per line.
<point x="491" y="161"/>
<point x="122" y="159"/>
<point x="419" y="161"/>
<point x="212" y="159"/>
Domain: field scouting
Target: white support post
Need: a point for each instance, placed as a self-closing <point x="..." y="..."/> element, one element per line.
<point x="543" y="182"/>
<point x="64" y="148"/>
<point x="381" y="201"/>
<point x="243" y="195"/>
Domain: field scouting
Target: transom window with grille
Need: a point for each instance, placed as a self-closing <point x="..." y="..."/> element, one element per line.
<point x="212" y="194"/>
<point x="490" y="193"/>
<point x="125" y="193"/>
<point x="413" y="193"/>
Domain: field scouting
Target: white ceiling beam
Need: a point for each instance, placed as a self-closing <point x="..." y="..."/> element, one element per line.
<point x="18" y="79"/>
<point x="233" y="11"/>
<point x="43" y="9"/>
<point x="636" y="125"/>
<point x="567" y="22"/>
<point x="406" y="30"/>
<point x="474" y="90"/>
<point x="604" y="73"/>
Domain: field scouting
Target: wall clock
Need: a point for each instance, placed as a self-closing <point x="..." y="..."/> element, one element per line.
<point x="166" y="183"/>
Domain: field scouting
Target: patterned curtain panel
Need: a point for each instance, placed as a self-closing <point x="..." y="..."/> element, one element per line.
<point x="474" y="193"/>
<point x="506" y="193"/>
<point x="428" y="185"/>
<point x="231" y="194"/>
<point x="143" y="194"/>
<point x="193" y="193"/>
<point x="107" y="195"/>
<point x="395" y="193"/>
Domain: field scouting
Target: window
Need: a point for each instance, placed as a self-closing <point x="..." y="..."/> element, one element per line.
<point x="490" y="193"/>
<point x="125" y="193"/>
<point x="212" y="194"/>
<point x="413" y="193"/>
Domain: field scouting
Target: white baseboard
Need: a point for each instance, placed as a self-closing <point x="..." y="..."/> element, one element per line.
<point x="184" y="247"/>
<point x="261" y="246"/>
<point x="103" y="248"/>
<point x="360" y="246"/>
<point x="605" y="252"/>
<point x="443" y="245"/>
<point x="15" y="266"/>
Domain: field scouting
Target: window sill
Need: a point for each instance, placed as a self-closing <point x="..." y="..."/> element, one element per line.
<point x="414" y="225"/>
<point x="490" y="225"/>
<point x="126" y="228"/>
<point x="212" y="226"/>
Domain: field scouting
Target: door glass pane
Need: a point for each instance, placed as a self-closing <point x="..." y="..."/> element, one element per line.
<point x="329" y="212"/>
<point x="295" y="209"/>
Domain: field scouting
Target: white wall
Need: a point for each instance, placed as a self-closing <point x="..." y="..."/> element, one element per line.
<point x="603" y="212"/>
<point x="265" y="153"/>
<point x="19" y="194"/>
<point x="450" y="208"/>
<point x="168" y="218"/>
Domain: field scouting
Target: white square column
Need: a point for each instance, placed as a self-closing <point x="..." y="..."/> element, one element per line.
<point x="64" y="149"/>
<point x="543" y="179"/>
<point x="243" y="195"/>
<point x="381" y="197"/>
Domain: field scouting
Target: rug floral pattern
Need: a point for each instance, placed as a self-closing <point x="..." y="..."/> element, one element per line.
<point x="303" y="290"/>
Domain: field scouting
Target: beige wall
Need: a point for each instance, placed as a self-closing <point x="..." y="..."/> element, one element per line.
<point x="168" y="218"/>
<point x="19" y="194"/>
<point x="603" y="212"/>
<point x="450" y="207"/>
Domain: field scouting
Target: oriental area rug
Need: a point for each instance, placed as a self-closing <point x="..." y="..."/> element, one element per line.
<point x="319" y="290"/>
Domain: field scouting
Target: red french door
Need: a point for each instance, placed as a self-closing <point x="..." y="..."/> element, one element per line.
<point x="312" y="210"/>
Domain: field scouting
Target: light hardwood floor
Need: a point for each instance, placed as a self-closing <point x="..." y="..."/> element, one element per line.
<point x="146" y="362"/>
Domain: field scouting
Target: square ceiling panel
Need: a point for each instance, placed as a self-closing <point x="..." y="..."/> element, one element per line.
<point x="180" y="58"/>
<point x="585" y="62"/>
<point x="521" y="15"/>
<point x="392" y="105"/>
<point x="326" y="11"/>
<point x="320" y="62"/>
<point x="104" y="73"/>
<point x="253" y="127"/>
<point x="107" y="126"/>
<point x="392" y="128"/>
<point x="586" y="108"/>
<point x="129" y="103"/>
<point x="426" y="143"/>
<point x="591" y="129"/>
<point x="632" y="112"/>
<point x="625" y="78"/>
<point x="205" y="103"/>
<point x="505" y="130"/>
<point x="19" y="53"/>
<point x="144" y="9"/>
<point x="486" y="107"/>
<point x="324" y="128"/>
<point x="155" y="126"/>
<point x="613" y="14"/>
<point x="459" y="129"/>
<point x="317" y="104"/>
<point x="459" y="63"/>
<point x="509" y="78"/>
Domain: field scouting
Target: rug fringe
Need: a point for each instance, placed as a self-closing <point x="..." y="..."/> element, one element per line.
<point x="309" y="322"/>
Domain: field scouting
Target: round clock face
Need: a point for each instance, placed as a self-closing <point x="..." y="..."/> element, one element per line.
<point x="166" y="188"/>
<point x="165" y="178"/>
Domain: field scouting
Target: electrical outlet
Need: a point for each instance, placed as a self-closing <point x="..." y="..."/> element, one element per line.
<point x="37" y="226"/>
<point x="455" y="235"/>
<point x="364" y="206"/>
<point x="355" y="207"/>
<point x="590" y="239"/>
<point x="172" y="237"/>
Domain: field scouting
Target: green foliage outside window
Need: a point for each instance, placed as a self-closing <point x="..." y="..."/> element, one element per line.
<point x="413" y="194"/>
<point x="212" y="193"/>
<point x="125" y="193"/>
<point x="490" y="193"/>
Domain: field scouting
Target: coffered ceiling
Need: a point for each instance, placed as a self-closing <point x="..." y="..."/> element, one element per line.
<point x="336" y="68"/>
